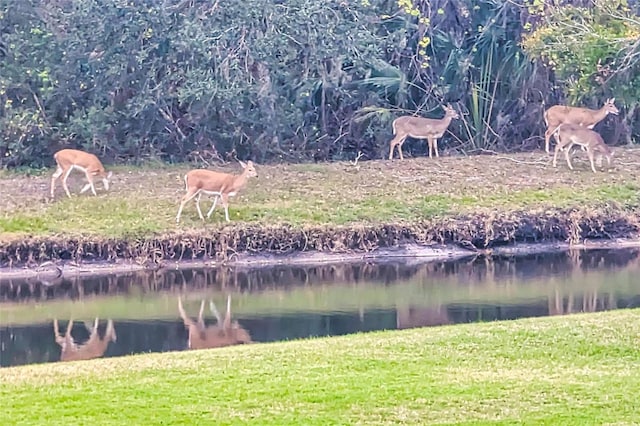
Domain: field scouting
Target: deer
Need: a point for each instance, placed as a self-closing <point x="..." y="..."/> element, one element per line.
<point x="218" y="184"/>
<point x="95" y="347"/>
<point x="568" y="135"/>
<point x="224" y="333"/>
<point x="559" y="114"/>
<point x="68" y="160"/>
<point x="430" y="129"/>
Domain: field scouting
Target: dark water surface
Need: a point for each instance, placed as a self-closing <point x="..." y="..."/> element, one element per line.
<point x="141" y="310"/>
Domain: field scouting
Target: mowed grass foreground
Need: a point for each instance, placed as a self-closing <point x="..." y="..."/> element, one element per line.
<point x="143" y="201"/>
<point x="580" y="369"/>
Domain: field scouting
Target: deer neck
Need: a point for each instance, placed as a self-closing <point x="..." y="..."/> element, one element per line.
<point x="240" y="180"/>
<point x="600" y="114"/>
<point x="446" y="121"/>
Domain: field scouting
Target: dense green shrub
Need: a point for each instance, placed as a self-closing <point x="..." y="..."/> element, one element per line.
<point x="270" y="80"/>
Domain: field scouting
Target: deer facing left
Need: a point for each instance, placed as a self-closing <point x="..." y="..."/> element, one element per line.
<point x="223" y="185"/>
<point x="95" y="347"/>
<point x="68" y="160"/>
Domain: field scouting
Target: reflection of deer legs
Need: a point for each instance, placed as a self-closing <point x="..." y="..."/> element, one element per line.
<point x="93" y="331"/>
<point x="201" y="325"/>
<point x="227" y="318"/>
<point x="214" y="311"/>
<point x="188" y="322"/>
<point x="67" y="340"/>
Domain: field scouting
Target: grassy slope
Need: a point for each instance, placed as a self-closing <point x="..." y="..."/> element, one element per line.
<point x="578" y="369"/>
<point x="144" y="200"/>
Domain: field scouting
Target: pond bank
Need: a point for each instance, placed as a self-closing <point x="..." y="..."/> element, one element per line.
<point x="452" y="206"/>
<point x="244" y="244"/>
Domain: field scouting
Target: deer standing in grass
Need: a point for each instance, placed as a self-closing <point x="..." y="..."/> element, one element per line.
<point x="430" y="129"/>
<point x="559" y="114"/>
<point x="68" y="160"/>
<point x="569" y="135"/>
<point x="95" y="347"/>
<point x="224" y="333"/>
<point x="223" y="185"/>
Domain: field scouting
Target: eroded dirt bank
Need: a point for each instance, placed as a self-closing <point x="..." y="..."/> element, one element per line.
<point x="252" y="244"/>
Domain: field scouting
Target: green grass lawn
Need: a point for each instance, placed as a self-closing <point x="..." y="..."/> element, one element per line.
<point x="580" y="369"/>
<point x="144" y="200"/>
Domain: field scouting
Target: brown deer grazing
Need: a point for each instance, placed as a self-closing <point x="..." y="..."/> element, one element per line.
<point x="224" y="333"/>
<point x="95" y="347"/>
<point x="430" y="129"/>
<point x="68" y="160"/>
<point x="569" y="135"/>
<point x="561" y="114"/>
<point x="223" y="185"/>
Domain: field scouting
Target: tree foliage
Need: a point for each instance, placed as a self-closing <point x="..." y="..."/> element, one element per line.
<point x="263" y="79"/>
<point x="593" y="50"/>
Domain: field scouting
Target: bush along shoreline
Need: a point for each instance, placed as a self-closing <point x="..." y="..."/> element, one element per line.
<point x="474" y="233"/>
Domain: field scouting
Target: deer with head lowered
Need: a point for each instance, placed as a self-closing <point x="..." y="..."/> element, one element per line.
<point x="68" y="160"/>
<point x="95" y="347"/>
<point x="569" y="135"/>
<point x="559" y="114"/>
<point x="223" y="333"/>
<point x="223" y="185"/>
<point x="430" y="129"/>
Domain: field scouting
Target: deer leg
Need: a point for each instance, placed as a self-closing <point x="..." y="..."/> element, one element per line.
<point x="89" y="185"/>
<point x="434" y="144"/>
<point x="396" y="142"/>
<point x="185" y="199"/>
<point x="555" y="155"/>
<point x="215" y="201"/>
<point x="566" y="155"/>
<point x="64" y="181"/>
<point x="198" y="206"/>
<point x="591" y="155"/>
<point x="547" y="137"/>
<point x="54" y="178"/>
<point x="225" y="203"/>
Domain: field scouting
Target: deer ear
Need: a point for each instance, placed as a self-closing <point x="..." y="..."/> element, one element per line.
<point x="244" y="166"/>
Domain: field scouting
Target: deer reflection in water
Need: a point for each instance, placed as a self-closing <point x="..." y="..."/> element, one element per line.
<point x="224" y="333"/>
<point x="95" y="347"/>
<point x="415" y="316"/>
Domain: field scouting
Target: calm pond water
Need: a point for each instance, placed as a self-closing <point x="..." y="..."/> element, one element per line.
<point x="141" y="312"/>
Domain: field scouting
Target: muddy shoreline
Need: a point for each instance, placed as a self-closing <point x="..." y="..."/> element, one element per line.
<point x="253" y="245"/>
<point x="50" y="271"/>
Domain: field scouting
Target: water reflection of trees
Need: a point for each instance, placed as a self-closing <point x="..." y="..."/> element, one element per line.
<point x="549" y="273"/>
<point x="479" y="271"/>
